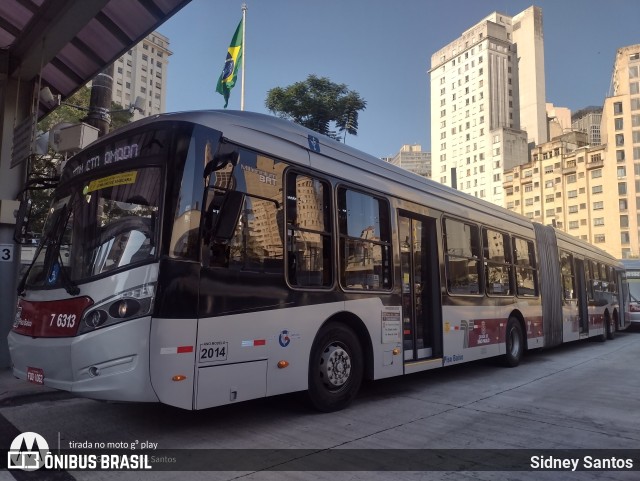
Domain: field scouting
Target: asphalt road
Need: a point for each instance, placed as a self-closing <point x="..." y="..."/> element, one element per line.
<point x="582" y="396"/>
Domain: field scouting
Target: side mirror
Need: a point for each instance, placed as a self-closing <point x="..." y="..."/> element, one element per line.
<point x="22" y="221"/>
<point x="220" y="161"/>
<point x="229" y="216"/>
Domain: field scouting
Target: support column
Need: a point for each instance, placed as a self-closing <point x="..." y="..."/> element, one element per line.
<point x="14" y="107"/>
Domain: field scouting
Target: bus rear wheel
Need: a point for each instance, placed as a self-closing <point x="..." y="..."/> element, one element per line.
<point x="335" y="368"/>
<point x="514" y="340"/>
<point x="610" y="326"/>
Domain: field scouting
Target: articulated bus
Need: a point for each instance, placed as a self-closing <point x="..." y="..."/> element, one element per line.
<point x="205" y="258"/>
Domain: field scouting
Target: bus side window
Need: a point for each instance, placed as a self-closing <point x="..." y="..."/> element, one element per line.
<point x="524" y="256"/>
<point x="497" y="258"/>
<point x="309" y="259"/>
<point x="568" y="276"/>
<point x="246" y="226"/>
<point x="462" y="248"/>
<point x="365" y="241"/>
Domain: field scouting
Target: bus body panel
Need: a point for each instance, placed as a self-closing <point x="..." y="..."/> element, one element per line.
<point x="109" y="364"/>
<point x="224" y="349"/>
<point x="172" y="351"/>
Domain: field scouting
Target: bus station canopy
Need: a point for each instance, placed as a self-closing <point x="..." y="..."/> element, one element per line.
<point x="68" y="42"/>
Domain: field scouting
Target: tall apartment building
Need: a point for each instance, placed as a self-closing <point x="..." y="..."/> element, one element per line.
<point x="588" y="120"/>
<point x="141" y="72"/>
<point x="413" y="159"/>
<point x="620" y="130"/>
<point x="566" y="185"/>
<point x="488" y="102"/>
<point x="590" y="191"/>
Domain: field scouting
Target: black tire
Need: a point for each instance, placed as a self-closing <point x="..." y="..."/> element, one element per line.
<point x="335" y="368"/>
<point x="610" y="327"/>
<point x="514" y="339"/>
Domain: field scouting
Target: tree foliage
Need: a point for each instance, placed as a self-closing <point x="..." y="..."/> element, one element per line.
<point x="318" y="104"/>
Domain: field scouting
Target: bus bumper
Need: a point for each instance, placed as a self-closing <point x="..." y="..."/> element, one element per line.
<point x="109" y="364"/>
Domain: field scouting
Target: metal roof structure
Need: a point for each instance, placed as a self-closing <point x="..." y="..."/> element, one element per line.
<point x="66" y="43"/>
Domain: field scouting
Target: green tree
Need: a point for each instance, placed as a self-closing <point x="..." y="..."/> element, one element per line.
<point x="318" y="104"/>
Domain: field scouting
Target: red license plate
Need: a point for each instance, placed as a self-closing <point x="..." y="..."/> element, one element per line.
<point x="35" y="375"/>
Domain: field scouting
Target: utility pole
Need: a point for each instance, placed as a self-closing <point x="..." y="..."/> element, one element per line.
<point x="100" y="102"/>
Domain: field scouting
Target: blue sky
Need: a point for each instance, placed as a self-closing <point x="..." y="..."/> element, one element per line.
<point x="382" y="49"/>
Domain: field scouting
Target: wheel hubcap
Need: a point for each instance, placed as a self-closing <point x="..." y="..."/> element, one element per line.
<point x="335" y="366"/>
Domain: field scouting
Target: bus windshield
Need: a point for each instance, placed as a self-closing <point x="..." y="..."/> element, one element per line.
<point x="97" y="225"/>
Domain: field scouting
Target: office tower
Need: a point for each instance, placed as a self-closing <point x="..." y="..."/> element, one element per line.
<point x="488" y="102"/>
<point x="413" y="159"/>
<point x="142" y="72"/>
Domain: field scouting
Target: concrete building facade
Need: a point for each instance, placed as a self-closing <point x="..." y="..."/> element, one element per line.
<point x="588" y="120"/>
<point x="414" y="159"/>
<point x="620" y="131"/>
<point x="142" y="72"/>
<point x="590" y="191"/>
<point x="487" y="87"/>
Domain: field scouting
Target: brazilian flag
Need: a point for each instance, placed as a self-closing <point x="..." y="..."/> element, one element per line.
<point x="230" y="71"/>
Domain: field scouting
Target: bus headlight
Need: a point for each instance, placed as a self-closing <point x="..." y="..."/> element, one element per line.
<point x="124" y="306"/>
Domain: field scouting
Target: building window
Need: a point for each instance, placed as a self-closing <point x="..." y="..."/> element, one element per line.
<point x="619" y="124"/>
<point x="599" y="238"/>
<point x="620" y="155"/>
<point x="596" y="174"/>
<point x="573" y="209"/>
<point x="596" y="189"/>
<point x="598" y="205"/>
<point x="574" y="224"/>
<point x="571" y="178"/>
<point x="617" y="108"/>
<point x="622" y="188"/>
<point x="622" y="172"/>
<point x="624" y="238"/>
<point x="623" y="205"/>
<point x="598" y="221"/>
<point x="572" y="194"/>
<point x="624" y="221"/>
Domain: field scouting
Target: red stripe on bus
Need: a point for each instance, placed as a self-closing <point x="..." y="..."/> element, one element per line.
<point x="259" y="342"/>
<point x="182" y="349"/>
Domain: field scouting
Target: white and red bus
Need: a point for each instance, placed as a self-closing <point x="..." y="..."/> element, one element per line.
<point x="205" y="258"/>
<point x="631" y="290"/>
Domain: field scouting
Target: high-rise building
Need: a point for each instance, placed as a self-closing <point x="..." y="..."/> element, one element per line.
<point x="588" y="120"/>
<point x="142" y="72"/>
<point x="620" y="131"/>
<point x="488" y="102"/>
<point x="590" y="191"/>
<point x="413" y="159"/>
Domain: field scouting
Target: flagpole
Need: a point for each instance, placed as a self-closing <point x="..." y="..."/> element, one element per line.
<point x="244" y="53"/>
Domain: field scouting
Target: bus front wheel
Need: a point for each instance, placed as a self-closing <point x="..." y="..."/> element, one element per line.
<point x="514" y="340"/>
<point x="335" y="368"/>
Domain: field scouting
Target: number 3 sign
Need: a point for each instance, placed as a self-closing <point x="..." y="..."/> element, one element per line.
<point x="6" y="252"/>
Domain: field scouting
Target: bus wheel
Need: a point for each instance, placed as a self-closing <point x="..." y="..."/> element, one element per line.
<point x="515" y="343"/>
<point x="610" y="327"/>
<point x="335" y="369"/>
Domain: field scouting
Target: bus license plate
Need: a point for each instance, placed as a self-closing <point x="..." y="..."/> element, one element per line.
<point x="35" y="375"/>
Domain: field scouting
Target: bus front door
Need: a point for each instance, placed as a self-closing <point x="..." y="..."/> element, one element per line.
<point x="420" y="288"/>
